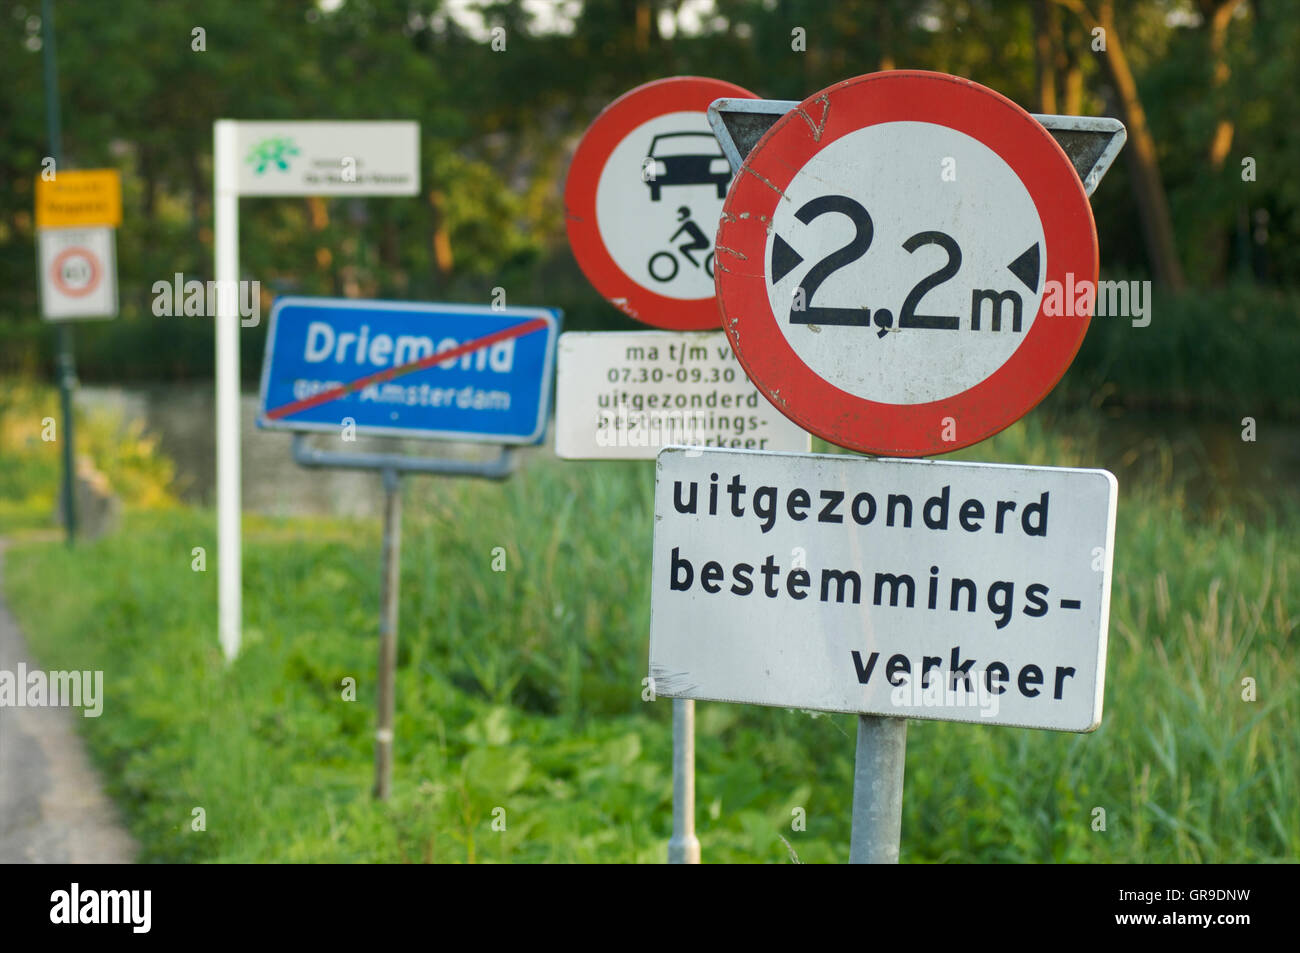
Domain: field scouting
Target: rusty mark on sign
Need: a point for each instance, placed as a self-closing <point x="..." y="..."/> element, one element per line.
<point x="817" y="127"/>
<point x="774" y="188"/>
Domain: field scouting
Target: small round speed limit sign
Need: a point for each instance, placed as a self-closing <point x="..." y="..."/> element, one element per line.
<point x="75" y="272"/>
<point x="884" y="258"/>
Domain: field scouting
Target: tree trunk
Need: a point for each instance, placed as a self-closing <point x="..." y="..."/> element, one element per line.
<point x="1068" y="40"/>
<point x="1148" y="188"/>
<point x="1044" y="59"/>
<point x="1217" y="15"/>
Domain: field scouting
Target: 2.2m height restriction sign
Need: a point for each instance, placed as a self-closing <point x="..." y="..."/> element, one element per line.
<point x="884" y="257"/>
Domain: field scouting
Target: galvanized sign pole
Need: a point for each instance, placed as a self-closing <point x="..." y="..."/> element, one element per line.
<point x="878" y="790"/>
<point x="487" y="379"/>
<point x="684" y="847"/>
<point x="67" y="373"/>
<point x="649" y="158"/>
<point x="391" y="466"/>
<point x="917" y="383"/>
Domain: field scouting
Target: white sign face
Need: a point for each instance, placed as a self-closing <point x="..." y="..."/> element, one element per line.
<point x="624" y="395"/>
<point x="78" y="273"/>
<point x="935" y="247"/>
<point x="329" y="158"/>
<point x="669" y="176"/>
<point x="952" y="591"/>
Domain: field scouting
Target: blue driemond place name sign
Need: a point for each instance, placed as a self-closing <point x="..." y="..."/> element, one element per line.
<point x="435" y="371"/>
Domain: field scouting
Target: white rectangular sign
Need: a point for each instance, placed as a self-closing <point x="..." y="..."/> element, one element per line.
<point x="329" y="158"/>
<point x="954" y="591"/>
<point x="624" y="395"/>
<point x="78" y="272"/>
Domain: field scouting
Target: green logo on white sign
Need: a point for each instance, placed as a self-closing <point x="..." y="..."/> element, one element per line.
<point x="274" y="151"/>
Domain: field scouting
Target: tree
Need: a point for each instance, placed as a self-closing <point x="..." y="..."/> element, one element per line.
<point x="1148" y="187"/>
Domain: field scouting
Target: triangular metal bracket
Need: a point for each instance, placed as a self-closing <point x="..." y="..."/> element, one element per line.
<point x="1091" y="143"/>
<point x="738" y="124"/>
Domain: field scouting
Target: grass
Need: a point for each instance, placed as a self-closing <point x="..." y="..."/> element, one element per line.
<point x="520" y="691"/>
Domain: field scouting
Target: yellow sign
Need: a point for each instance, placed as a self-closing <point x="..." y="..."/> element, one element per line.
<point x="84" y="197"/>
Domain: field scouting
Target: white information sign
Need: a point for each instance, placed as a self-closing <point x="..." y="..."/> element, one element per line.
<point x="78" y="273"/>
<point x="951" y="591"/>
<point x="329" y="158"/>
<point x="625" y="395"/>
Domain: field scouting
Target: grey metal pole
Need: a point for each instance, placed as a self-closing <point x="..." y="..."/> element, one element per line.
<point x="878" y="790"/>
<point x="67" y="372"/>
<point x="392" y="560"/>
<point x="684" y="847"/>
<point x="67" y="384"/>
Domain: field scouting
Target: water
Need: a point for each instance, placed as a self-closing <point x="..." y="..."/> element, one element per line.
<point x="182" y="416"/>
<point x="1204" y="458"/>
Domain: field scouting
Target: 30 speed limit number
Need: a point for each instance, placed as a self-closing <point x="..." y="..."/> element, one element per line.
<point x="883" y="258"/>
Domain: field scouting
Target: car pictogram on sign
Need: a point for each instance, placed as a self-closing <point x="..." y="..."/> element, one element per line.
<point x="686" y="158"/>
<point x="642" y="200"/>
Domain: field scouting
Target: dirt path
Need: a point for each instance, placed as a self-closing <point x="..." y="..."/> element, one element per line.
<point x="52" y="807"/>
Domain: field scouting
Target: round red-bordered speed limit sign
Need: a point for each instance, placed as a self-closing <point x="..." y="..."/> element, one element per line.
<point x="904" y="263"/>
<point x="75" y="272"/>
<point x="642" y="200"/>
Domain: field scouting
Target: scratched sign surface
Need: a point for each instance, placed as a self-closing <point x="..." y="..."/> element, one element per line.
<point x="898" y="263"/>
<point x="437" y="371"/>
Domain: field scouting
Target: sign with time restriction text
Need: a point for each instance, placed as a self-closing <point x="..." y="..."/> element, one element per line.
<point x="625" y="395"/>
<point x="950" y="591"/>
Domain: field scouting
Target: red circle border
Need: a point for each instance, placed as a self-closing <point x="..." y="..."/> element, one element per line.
<point x="855" y="423"/>
<point x="637" y="106"/>
<point x="94" y="272"/>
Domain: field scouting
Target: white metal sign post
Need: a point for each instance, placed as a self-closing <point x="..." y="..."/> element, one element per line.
<point x="279" y="158"/>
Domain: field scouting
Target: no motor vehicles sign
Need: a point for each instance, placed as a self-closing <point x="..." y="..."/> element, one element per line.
<point x="917" y="589"/>
<point x="642" y="200"/>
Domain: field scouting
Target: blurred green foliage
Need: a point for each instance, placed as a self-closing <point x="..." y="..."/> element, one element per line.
<point x="498" y="128"/>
